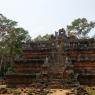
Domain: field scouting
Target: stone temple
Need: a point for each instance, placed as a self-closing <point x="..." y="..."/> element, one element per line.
<point x="61" y="59"/>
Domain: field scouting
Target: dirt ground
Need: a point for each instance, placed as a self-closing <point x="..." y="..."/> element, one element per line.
<point x="55" y="92"/>
<point x="58" y="92"/>
<point x="51" y="91"/>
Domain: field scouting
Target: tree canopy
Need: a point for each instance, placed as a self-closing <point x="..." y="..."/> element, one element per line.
<point x="11" y="38"/>
<point x="42" y="38"/>
<point x="80" y="27"/>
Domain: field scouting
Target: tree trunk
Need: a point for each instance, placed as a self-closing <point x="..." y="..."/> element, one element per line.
<point x="1" y="63"/>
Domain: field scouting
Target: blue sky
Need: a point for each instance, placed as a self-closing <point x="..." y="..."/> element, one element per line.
<point x="46" y="16"/>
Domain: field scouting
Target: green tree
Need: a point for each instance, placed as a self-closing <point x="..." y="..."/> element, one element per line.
<point x="42" y="38"/>
<point x="80" y="27"/>
<point x="11" y="38"/>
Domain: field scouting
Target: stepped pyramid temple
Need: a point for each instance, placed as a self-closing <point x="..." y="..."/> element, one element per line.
<point x="61" y="59"/>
